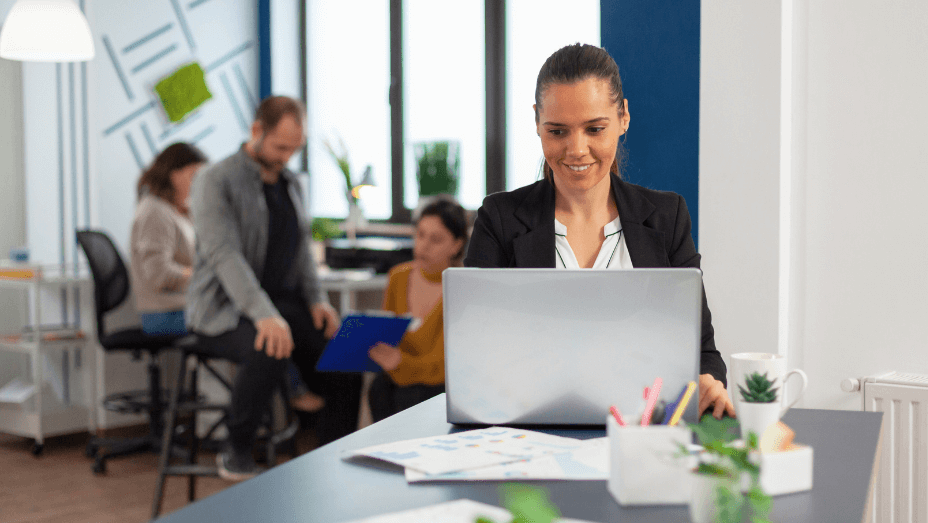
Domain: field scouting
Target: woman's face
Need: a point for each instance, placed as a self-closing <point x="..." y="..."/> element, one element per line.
<point x="435" y="247"/>
<point x="181" y="179"/>
<point x="580" y="126"/>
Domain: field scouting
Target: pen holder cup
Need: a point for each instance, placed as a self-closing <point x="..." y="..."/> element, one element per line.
<point x="645" y="464"/>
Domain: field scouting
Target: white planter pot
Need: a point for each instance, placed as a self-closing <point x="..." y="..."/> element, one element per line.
<point x="757" y="417"/>
<point x="704" y="496"/>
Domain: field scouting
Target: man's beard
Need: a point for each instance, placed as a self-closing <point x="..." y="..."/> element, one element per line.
<point x="274" y="167"/>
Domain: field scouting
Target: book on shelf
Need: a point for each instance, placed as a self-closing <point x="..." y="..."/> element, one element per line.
<point x="44" y="333"/>
<point x="19" y="271"/>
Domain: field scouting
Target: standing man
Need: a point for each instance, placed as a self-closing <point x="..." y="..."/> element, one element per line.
<point x="254" y="297"/>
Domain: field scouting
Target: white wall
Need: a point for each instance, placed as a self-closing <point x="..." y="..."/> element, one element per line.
<point x="846" y="236"/>
<point x="865" y="248"/>
<point x="738" y="171"/>
<point x="12" y="211"/>
<point x="85" y="142"/>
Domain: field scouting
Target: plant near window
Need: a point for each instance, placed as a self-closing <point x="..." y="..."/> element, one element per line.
<point x="726" y="464"/>
<point x="325" y="228"/>
<point x="340" y="156"/>
<point x="437" y="165"/>
<point x="760" y="389"/>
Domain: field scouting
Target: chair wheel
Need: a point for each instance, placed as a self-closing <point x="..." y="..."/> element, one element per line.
<point x="37" y="449"/>
<point x="99" y="467"/>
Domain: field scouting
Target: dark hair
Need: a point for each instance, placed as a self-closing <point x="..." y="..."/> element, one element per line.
<point x="274" y="108"/>
<point x="574" y="63"/>
<point x="156" y="180"/>
<point x="452" y="216"/>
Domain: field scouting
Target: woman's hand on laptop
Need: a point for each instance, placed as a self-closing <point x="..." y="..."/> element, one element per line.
<point x="712" y="393"/>
<point x="387" y="356"/>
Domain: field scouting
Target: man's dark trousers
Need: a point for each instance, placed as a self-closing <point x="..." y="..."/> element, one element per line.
<point x="259" y="374"/>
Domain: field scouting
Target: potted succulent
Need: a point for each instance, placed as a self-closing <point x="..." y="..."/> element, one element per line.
<point x="759" y="405"/>
<point x="723" y="466"/>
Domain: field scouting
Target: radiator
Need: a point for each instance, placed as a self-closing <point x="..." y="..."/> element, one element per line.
<point x="900" y="492"/>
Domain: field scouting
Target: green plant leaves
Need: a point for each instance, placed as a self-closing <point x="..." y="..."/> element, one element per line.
<point x="729" y="503"/>
<point x="437" y="165"/>
<point x="529" y="504"/>
<point x="723" y="460"/>
<point x="710" y="430"/>
<point x="340" y="156"/>
<point x="760" y="503"/>
<point x="759" y="389"/>
<point x="325" y="228"/>
<point x="526" y="503"/>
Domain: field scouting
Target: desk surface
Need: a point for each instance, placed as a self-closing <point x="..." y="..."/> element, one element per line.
<point x="319" y="486"/>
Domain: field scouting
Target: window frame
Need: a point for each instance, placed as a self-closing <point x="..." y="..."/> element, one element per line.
<point x="495" y="62"/>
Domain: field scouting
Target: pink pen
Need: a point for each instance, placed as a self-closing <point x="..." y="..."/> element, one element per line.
<point x="617" y="415"/>
<point x="654" y="392"/>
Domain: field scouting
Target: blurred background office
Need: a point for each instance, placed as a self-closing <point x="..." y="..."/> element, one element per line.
<point x="793" y="129"/>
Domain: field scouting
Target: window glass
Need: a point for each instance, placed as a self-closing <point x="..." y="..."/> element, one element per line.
<point x="444" y="90"/>
<point x="348" y="85"/>
<point x="534" y="30"/>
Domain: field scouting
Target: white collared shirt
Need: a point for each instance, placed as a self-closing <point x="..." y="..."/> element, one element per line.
<point x="613" y="253"/>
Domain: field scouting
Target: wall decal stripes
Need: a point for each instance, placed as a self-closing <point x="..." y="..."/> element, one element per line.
<point x="119" y="71"/>
<point x="147" y="38"/>
<point x="183" y="25"/>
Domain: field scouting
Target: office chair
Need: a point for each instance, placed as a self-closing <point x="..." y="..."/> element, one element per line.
<point x="111" y="289"/>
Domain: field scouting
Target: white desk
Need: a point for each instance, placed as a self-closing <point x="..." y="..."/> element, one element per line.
<point x="348" y="283"/>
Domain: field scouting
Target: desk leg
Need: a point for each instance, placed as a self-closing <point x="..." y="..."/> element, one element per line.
<point x="364" y="411"/>
<point x="344" y="302"/>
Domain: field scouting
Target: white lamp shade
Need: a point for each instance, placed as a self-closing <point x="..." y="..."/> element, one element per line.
<point x="46" y="31"/>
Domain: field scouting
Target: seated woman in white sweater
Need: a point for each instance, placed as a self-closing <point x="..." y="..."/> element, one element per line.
<point x="162" y="240"/>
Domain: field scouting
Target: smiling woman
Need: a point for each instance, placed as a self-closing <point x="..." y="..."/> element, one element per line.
<point x="582" y="214"/>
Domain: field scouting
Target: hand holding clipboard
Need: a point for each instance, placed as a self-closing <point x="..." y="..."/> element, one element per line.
<point x="347" y="351"/>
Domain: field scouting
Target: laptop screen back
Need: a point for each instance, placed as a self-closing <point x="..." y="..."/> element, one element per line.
<point x="554" y="346"/>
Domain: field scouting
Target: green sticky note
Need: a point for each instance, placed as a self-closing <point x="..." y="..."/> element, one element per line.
<point x="183" y="91"/>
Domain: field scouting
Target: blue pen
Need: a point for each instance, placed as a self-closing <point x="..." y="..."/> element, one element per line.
<point x="672" y="407"/>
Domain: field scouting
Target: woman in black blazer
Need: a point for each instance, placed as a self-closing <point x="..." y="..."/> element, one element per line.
<point x="580" y="114"/>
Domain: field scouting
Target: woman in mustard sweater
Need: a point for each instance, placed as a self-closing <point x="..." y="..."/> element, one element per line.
<point x="414" y="371"/>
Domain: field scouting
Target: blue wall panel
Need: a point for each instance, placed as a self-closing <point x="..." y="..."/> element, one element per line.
<point x="656" y="45"/>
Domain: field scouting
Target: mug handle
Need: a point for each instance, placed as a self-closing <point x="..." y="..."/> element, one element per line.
<point x="805" y="383"/>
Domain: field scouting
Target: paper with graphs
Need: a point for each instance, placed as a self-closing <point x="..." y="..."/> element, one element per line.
<point x="590" y="461"/>
<point x="468" y="450"/>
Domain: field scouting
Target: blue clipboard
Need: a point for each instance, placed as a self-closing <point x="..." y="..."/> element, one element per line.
<point x="347" y="350"/>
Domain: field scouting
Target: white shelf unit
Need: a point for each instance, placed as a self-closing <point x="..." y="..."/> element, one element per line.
<point x="57" y="370"/>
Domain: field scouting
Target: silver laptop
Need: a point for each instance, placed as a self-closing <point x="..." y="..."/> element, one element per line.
<point x="559" y="347"/>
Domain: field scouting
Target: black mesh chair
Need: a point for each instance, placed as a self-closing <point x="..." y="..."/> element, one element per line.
<point x="111" y="288"/>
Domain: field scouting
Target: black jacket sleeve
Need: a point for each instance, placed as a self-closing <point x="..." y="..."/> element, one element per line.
<point x="682" y="253"/>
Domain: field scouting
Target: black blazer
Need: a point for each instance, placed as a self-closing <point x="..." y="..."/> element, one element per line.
<point x="516" y="229"/>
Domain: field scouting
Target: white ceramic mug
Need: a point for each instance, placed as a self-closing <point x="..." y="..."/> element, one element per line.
<point x="745" y="364"/>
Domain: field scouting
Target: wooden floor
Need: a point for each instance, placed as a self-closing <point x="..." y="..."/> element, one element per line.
<point x="59" y="485"/>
